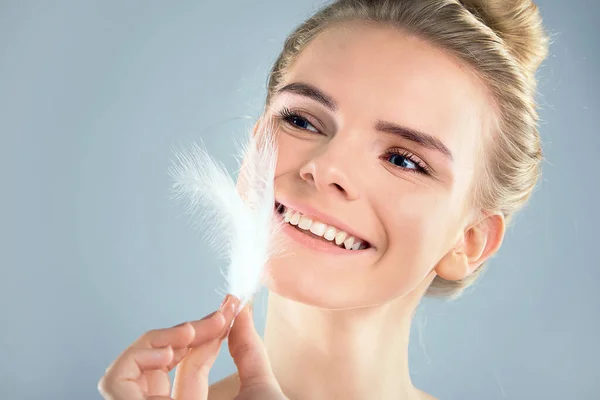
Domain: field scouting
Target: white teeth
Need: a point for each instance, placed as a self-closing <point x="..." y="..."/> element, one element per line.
<point x="330" y="233"/>
<point x="288" y="215"/>
<point x="318" y="228"/>
<point x="339" y="238"/>
<point x="304" y="223"/>
<point x="348" y="243"/>
<point x="295" y="218"/>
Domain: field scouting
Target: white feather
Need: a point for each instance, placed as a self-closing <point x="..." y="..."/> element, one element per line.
<point x="237" y="220"/>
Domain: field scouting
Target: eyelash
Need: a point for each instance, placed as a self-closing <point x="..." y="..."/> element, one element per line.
<point x="288" y="117"/>
<point x="421" y="168"/>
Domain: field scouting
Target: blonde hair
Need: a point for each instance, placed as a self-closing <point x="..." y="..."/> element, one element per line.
<point x="504" y="42"/>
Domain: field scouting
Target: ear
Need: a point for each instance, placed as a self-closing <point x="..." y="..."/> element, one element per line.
<point x="478" y="243"/>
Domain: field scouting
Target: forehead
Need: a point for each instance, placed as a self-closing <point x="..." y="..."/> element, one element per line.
<point x="378" y="72"/>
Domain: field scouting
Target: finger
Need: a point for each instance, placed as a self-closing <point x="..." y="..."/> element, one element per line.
<point x="134" y="361"/>
<point x="248" y="352"/>
<point x="209" y="329"/>
<point x="179" y="337"/>
<point x="119" y="382"/>
<point x="179" y="355"/>
<point x="191" y="377"/>
<point x="158" y="382"/>
<point x="182" y="335"/>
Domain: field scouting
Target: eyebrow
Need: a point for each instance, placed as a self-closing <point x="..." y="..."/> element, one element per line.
<point x="306" y="90"/>
<point x="424" y="139"/>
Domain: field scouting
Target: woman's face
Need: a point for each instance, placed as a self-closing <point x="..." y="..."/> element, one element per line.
<point x="378" y="136"/>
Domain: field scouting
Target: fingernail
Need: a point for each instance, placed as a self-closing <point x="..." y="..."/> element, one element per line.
<point x="229" y="309"/>
<point x="181" y="324"/>
<point x="224" y="301"/>
<point x="230" y="306"/>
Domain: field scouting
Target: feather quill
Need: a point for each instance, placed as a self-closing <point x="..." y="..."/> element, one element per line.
<point x="237" y="220"/>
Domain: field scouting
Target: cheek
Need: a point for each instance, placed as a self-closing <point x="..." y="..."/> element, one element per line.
<point x="415" y="222"/>
<point x="290" y="153"/>
<point x="415" y="232"/>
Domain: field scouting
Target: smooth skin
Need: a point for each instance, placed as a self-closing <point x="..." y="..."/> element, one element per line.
<point x="141" y="371"/>
<point x="338" y="326"/>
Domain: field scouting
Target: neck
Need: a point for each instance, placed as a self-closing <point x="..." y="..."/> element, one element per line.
<point x="340" y="354"/>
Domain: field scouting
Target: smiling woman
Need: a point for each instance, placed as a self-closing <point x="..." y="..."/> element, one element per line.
<point x="406" y="137"/>
<point x="448" y="75"/>
<point x="408" y="127"/>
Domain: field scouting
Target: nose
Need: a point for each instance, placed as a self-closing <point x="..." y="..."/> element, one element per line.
<point x="330" y="171"/>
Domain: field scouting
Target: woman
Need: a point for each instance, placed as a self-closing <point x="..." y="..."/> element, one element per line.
<point x="407" y="139"/>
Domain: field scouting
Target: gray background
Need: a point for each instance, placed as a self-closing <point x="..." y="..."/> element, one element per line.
<point x="93" y="96"/>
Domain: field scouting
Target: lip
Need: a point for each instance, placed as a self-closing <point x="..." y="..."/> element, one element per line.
<point x="313" y="214"/>
<point x="314" y="243"/>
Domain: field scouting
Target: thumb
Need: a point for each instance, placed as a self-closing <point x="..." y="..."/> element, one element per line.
<point x="248" y="352"/>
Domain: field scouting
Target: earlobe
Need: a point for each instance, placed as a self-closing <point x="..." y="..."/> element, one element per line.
<point x="477" y="245"/>
<point x="453" y="266"/>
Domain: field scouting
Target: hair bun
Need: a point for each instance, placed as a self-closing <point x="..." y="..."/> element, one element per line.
<point x="519" y="24"/>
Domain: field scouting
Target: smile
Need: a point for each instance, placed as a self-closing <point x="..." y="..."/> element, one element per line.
<point x="320" y="230"/>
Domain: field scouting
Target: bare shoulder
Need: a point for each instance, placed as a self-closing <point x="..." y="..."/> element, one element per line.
<point x="225" y="389"/>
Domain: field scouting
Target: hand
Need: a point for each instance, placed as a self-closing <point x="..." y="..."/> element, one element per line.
<point x="141" y="371"/>
<point x="257" y="381"/>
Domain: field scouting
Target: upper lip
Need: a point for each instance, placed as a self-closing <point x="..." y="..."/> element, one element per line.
<point x="312" y="213"/>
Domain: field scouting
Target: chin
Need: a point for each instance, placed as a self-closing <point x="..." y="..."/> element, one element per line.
<point x="324" y="276"/>
<point x="325" y="282"/>
<point x="329" y="285"/>
<point x="313" y="271"/>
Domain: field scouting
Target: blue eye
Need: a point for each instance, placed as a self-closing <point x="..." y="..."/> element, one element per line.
<point x="300" y="122"/>
<point x="401" y="161"/>
<point x="406" y="161"/>
<point x="296" y="120"/>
